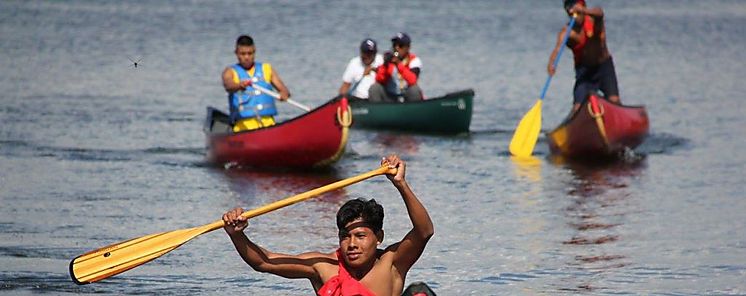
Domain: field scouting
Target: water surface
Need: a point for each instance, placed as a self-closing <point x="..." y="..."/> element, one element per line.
<point x="94" y="151"/>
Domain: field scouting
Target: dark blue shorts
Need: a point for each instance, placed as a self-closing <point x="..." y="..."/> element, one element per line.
<point x="594" y="78"/>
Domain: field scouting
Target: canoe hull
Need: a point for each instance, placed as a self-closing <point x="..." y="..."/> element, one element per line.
<point x="449" y="114"/>
<point x="314" y="139"/>
<point x="599" y="129"/>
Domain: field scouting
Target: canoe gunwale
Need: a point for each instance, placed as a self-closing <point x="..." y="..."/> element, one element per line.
<point x="450" y="95"/>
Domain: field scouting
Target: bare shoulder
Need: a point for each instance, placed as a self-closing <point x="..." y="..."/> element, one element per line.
<point x="325" y="264"/>
<point x="389" y="253"/>
<point x="318" y="255"/>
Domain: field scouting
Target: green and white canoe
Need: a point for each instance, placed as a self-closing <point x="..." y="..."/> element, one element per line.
<point x="449" y="114"/>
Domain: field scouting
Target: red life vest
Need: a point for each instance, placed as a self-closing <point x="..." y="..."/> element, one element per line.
<point x="405" y="73"/>
<point x="585" y="33"/>
<point x="343" y="284"/>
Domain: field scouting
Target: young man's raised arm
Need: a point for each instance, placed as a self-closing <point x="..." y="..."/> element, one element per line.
<point x="413" y="244"/>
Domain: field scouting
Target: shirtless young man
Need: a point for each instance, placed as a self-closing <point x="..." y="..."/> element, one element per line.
<point x="358" y="267"/>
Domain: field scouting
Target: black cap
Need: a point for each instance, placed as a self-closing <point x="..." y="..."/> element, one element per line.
<point x="401" y="38"/>
<point x="368" y="45"/>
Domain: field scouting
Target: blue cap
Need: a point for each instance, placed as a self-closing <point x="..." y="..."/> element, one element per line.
<point x="401" y="38"/>
<point x="368" y="45"/>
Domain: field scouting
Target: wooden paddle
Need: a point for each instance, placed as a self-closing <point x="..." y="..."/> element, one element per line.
<point x="277" y="96"/>
<point x="527" y="132"/>
<point x="117" y="258"/>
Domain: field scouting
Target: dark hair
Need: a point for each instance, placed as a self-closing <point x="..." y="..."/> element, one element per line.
<point x="570" y="3"/>
<point x="369" y="210"/>
<point x="244" y="40"/>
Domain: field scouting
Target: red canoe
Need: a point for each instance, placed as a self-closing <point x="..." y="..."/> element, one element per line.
<point x="599" y="129"/>
<point x="314" y="139"/>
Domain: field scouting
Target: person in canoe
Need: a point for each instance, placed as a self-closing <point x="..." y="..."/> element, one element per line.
<point x="358" y="266"/>
<point x="360" y="72"/>
<point x="594" y="67"/>
<point x="249" y="107"/>
<point x="396" y="79"/>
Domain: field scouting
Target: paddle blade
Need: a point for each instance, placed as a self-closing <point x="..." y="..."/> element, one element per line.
<point x="527" y="132"/>
<point x="117" y="258"/>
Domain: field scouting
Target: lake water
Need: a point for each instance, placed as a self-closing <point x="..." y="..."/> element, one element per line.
<point x="94" y="151"/>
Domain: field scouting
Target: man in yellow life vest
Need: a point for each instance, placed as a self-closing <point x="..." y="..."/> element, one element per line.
<point x="249" y="107"/>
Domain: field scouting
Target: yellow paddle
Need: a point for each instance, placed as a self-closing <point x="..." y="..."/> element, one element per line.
<point x="527" y="132"/>
<point x="117" y="258"/>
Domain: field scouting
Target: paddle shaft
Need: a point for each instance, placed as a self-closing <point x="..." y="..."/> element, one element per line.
<point x="117" y="258"/>
<point x="354" y="86"/>
<point x="556" y="59"/>
<point x="277" y="96"/>
<point x="306" y="195"/>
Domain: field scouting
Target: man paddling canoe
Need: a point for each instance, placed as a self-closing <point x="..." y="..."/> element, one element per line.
<point x="594" y="67"/>
<point x="358" y="266"/>
<point x="360" y="73"/>
<point x="249" y="107"/>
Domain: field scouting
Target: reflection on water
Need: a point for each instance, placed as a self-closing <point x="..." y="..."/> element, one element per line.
<point x="256" y="188"/>
<point x="111" y="161"/>
<point x="528" y="168"/>
<point x="402" y="143"/>
<point x="249" y="184"/>
<point x="599" y="207"/>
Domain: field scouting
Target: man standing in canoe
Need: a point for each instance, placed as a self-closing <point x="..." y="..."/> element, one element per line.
<point x="358" y="266"/>
<point x="249" y="107"/>
<point x="594" y="67"/>
<point x="396" y="79"/>
<point x="360" y="72"/>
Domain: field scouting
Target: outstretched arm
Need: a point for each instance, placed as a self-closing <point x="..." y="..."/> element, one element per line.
<point x="551" y="69"/>
<point x="413" y="244"/>
<point x="262" y="260"/>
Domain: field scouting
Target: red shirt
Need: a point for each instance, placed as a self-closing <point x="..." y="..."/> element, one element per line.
<point x="384" y="72"/>
<point x="585" y="33"/>
<point x="343" y="284"/>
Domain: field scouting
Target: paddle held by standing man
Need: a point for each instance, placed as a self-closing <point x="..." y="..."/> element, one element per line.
<point x="594" y="67"/>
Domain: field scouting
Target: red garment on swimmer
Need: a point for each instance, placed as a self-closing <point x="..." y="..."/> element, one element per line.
<point x="585" y="33"/>
<point x="403" y="68"/>
<point x="343" y="284"/>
